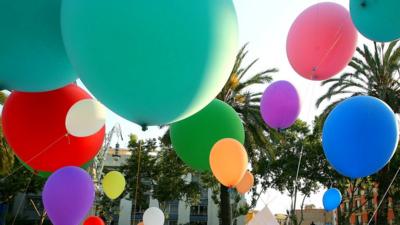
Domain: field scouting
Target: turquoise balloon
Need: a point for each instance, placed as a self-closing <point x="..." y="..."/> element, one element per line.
<point x="151" y="61"/>
<point x="32" y="54"/>
<point x="377" y="20"/>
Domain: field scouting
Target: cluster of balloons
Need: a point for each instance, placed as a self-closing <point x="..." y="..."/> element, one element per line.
<point x="54" y="126"/>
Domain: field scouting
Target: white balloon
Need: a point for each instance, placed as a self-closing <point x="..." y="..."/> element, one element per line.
<point x="85" y="118"/>
<point x="153" y="216"/>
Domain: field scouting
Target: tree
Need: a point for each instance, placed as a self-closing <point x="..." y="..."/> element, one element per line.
<point x="171" y="180"/>
<point x="154" y="168"/>
<point x="290" y="145"/>
<point x="137" y="177"/>
<point x="375" y="73"/>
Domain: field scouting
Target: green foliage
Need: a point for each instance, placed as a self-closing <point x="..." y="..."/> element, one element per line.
<point x="161" y="173"/>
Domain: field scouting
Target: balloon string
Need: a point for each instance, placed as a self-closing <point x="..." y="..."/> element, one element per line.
<point x="338" y="36"/>
<point x="384" y="196"/>
<point x="37" y="155"/>
<point x="310" y="90"/>
<point x="22" y="200"/>
<point x="137" y="181"/>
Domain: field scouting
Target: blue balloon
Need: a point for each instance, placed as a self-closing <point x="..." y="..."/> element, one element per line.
<point x="360" y="136"/>
<point x="332" y="199"/>
<point x="32" y="53"/>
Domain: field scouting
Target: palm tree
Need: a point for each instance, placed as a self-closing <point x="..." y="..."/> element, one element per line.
<point x="375" y="73"/>
<point x="237" y="93"/>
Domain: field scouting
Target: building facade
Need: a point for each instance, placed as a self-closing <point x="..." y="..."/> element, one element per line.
<point x="311" y="215"/>
<point x="363" y="204"/>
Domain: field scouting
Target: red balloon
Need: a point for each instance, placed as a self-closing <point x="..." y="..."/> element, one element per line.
<point x="93" y="220"/>
<point x="322" y="41"/>
<point x="34" y="126"/>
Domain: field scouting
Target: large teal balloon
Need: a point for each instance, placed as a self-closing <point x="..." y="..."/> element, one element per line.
<point x="194" y="137"/>
<point x="377" y="20"/>
<point x="32" y="54"/>
<point x="151" y="61"/>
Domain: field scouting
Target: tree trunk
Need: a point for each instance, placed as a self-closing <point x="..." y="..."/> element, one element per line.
<point x="225" y="206"/>
<point x="383" y="184"/>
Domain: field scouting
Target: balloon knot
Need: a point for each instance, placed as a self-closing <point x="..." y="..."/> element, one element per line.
<point x="364" y="4"/>
<point x="144" y="127"/>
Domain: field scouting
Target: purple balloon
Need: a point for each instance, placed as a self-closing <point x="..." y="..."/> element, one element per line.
<point x="280" y="105"/>
<point x="68" y="195"/>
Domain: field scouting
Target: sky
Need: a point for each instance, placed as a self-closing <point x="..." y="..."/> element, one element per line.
<point x="263" y="24"/>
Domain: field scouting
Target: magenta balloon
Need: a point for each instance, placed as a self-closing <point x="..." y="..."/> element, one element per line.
<point x="280" y="105"/>
<point x="321" y="41"/>
<point x="68" y="195"/>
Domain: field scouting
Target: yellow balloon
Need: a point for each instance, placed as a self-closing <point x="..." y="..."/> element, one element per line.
<point x="113" y="184"/>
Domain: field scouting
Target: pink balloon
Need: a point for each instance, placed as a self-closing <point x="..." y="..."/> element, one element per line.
<point x="321" y="41"/>
<point x="280" y="105"/>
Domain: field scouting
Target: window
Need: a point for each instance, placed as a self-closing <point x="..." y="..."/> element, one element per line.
<point x="198" y="223"/>
<point x="199" y="210"/>
<point x="172" y="222"/>
<point x="173" y="207"/>
<point x="203" y="210"/>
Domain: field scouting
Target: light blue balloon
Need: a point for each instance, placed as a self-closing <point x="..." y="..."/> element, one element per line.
<point x="332" y="199"/>
<point x="377" y="20"/>
<point x="151" y="61"/>
<point x="360" y="136"/>
<point x="32" y="54"/>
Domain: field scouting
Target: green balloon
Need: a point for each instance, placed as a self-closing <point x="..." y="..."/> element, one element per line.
<point x="194" y="137"/>
<point x="32" y="53"/>
<point x="377" y="20"/>
<point x="151" y="61"/>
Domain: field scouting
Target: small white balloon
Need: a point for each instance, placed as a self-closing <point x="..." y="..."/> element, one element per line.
<point x="85" y="118"/>
<point x="153" y="216"/>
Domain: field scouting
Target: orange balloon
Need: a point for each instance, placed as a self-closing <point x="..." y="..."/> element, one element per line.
<point x="141" y="223"/>
<point x="246" y="183"/>
<point x="228" y="161"/>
